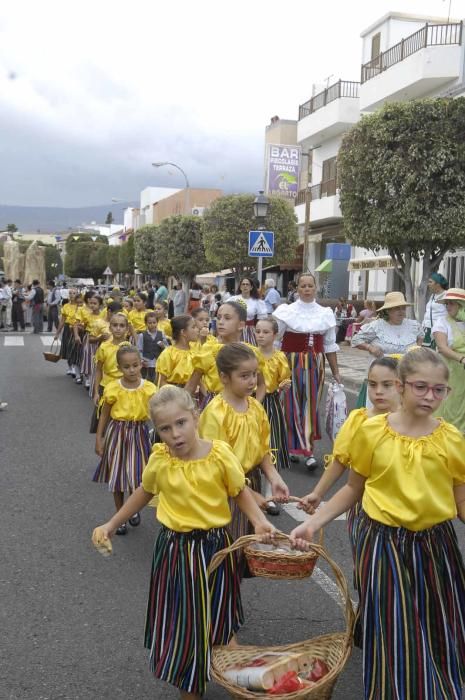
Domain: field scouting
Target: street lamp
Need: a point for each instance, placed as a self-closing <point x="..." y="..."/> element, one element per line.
<point x="261" y="206"/>
<point x="160" y="164"/>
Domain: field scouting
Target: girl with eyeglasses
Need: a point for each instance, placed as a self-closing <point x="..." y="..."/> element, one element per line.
<point x="409" y="469"/>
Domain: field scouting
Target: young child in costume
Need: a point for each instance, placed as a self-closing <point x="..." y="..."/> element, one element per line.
<point x="164" y="324"/>
<point x="122" y="440"/>
<point x="81" y="334"/>
<point x="136" y="317"/>
<point x="68" y="315"/>
<point x="240" y="420"/>
<point x="151" y="344"/>
<point x="189" y="611"/>
<point x="276" y="373"/>
<point x="201" y="319"/>
<point x="174" y="366"/>
<point x="96" y="330"/>
<point x="408" y="467"/>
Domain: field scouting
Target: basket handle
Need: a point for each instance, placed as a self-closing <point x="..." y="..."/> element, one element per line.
<point x="55" y="340"/>
<point x="317" y="549"/>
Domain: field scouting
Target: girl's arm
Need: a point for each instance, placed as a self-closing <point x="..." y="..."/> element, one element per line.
<point x="261" y="387"/>
<point x="310" y="502"/>
<point x="98" y="379"/>
<point x="76" y="333"/>
<point x="279" y="489"/>
<point x="444" y="349"/>
<point x="194" y="382"/>
<point x="245" y="501"/>
<point x="459" y="495"/>
<point x="161" y="380"/>
<point x="102" y="424"/>
<point x="60" y="328"/>
<point x="135" y="503"/>
<point x="344" y="499"/>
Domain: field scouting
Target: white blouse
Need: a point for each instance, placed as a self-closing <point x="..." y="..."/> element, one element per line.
<point x="256" y="308"/>
<point x="392" y="339"/>
<point x="308" y="317"/>
<point x="442" y="325"/>
<point x="434" y="311"/>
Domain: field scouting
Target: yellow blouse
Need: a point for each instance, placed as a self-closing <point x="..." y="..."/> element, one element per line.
<point x="205" y="362"/>
<point x="137" y="320"/>
<point x="275" y="370"/>
<point x="82" y="316"/>
<point x="193" y="495"/>
<point x="343" y="442"/>
<point x="106" y="354"/>
<point x="248" y="434"/>
<point x="129" y="404"/>
<point x="209" y="340"/>
<point x="96" y="325"/>
<point x="409" y="481"/>
<point x="175" y="364"/>
<point x="69" y="311"/>
<point x="164" y="325"/>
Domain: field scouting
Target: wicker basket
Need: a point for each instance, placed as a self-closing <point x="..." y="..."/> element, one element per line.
<point x="53" y="356"/>
<point x="334" y="649"/>
<point x="289" y="564"/>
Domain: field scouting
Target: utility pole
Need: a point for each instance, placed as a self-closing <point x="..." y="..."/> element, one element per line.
<point x="308" y="199"/>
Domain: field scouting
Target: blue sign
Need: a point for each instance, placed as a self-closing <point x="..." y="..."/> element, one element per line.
<point x="261" y="244"/>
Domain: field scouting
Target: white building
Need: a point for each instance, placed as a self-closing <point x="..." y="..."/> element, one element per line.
<point x="403" y="57"/>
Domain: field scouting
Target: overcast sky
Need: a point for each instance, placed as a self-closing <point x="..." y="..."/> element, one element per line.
<point x="92" y="92"/>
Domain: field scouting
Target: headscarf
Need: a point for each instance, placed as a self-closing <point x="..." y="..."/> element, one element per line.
<point x="440" y="279"/>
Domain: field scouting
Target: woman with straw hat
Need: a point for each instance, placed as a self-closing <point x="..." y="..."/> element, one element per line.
<point x="449" y="335"/>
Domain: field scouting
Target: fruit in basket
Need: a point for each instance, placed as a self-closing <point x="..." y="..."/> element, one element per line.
<point x="287" y="683"/>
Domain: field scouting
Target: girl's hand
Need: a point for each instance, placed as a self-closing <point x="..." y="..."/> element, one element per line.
<point x="204" y="332"/>
<point x="259" y="499"/>
<point x="279" y="490"/>
<point x="265" y="531"/>
<point x="309" y="503"/>
<point x="302" y="535"/>
<point x="101" y="539"/>
<point x="285" y="385"/>
<point x="96" y="399"/>
<point x="99" y="447"/>
<point x="105" y="336"/>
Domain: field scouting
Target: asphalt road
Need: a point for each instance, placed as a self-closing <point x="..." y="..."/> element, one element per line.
<point x="71" y="621"/>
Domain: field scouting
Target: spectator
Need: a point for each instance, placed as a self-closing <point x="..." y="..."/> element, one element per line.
<point x="195" y="294"/>
<point x="435" y="310"/>
<point x="345" y="313"/>
<point x="292" y="295"/>
<point x="161" y="294"/>
<point x="53" y="302"/>
<point x="3" y="306"/>
<point x="272" y="296"/>
<point x="179" y="300"/>
<point x="17" y="301"/>
<point x="36" y="301"/>
<point x="366" y="314"/>
<point x="150" y="295"/>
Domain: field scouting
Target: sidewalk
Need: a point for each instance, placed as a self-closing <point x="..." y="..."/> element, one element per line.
<point x="353" y="366"/>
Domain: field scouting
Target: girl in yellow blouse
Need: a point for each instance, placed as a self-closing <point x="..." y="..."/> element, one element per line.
<point x="174" y="366"/>
<point x="122" y="439"/>
<point x="136" y="317"/>
<point x="164" y="324"/>
<point x="189" y="611"/>
<point x="68" y="314"/>
<point x="89" y="321"/>
<point x="240" y="420"/>
<point x="127" y="305"/>
<point x="202" y="320"/>
<point x="409" y="469"/>
<point x="277" y="375"/>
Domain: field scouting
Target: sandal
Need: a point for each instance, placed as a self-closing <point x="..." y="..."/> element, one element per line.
<point x="135" y="520"/>
<point x="122" y="530"/>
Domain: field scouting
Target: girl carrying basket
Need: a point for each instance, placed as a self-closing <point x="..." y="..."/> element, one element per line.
<point x="409" y="469"/>
<point x="189" y="611"/>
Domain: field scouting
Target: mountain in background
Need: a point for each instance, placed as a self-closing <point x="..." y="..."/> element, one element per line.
<point x="55" y="219"/>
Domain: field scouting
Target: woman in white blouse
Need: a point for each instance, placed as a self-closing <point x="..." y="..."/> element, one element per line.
<point x="308" y="333"/>
<point x="256" y="308"/>
<point x="437" y="284"/>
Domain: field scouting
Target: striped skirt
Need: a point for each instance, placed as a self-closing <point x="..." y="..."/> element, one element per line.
<point x="412" y="611"/>
<point x="188" y="611"/>
<point x="278" y="428"/>
<point x="240" y="525"/>
<point x="125" y="454"/>
<point x="301" y="402"/>
<point x="87" y="355"/>
<point x="74" y="350"/>
<point x="248" y="335"/>
<point x="65" y="341"/>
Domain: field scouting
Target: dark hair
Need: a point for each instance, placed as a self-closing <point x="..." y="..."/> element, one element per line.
<point x="197" y="311"/>
<point x="232" y="355"/>
<point x="292" y="283"/>
<point x="50" y="283"/>
<point x="419" y="356"/>
<point x="240" y="309"/>
<point x="122" y="316"/>
<point x="114" y="307"/>
<point x="163" y="304"/>
<point x="150" y="314"/>
<point x="253" y="287"/>
<point x="305" y="274"/>
<point x="128" y="300"/>
<point x="88" y="295"/>
<point x="126" y="350"/>
<point x="390" y="363"/>
<point x="218" y="297"/>
<point x="17" y="281"/>
<point x="36" y="282"/>
<point x="273" y="323"/>
<point x="98" y="298"/>
<point x="180" y="323"/>
<point x="142" y="296"/>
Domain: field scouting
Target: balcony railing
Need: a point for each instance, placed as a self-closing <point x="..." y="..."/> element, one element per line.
<point x="322" y="189"/>
<point x="429" y="35"/>
<point x="343" y="88"/>
<point x="300" y="199"/>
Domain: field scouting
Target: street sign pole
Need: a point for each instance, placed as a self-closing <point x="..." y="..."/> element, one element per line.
<point x="260" y="271"/>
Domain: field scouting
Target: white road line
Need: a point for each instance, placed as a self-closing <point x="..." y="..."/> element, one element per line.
<point x="14" y="341"/>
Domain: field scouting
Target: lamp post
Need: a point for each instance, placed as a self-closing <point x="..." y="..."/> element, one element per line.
<point x="261" y="206"/>
<point x="160" y="164"/>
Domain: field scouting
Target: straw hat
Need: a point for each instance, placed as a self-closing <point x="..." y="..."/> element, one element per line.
<point x="393" y="300"/>
<point x="453" y="294"/>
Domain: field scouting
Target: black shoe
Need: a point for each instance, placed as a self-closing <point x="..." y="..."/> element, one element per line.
<point x="135" y="520"/>
<point x="122" y="530"/>
<point x="311" y="463"/>
<point x="272" y="508"/>
<point x="78" y="381"/>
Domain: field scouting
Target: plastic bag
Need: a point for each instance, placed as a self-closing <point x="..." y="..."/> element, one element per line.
<point x="336" y="409"/>
<point x="287" y="683"/>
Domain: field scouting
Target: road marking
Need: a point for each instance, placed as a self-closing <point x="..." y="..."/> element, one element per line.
<point x="14" y="340"/>
<point x="300" y="515"/>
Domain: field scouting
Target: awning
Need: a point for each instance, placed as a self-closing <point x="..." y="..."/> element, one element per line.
<point x="325" y="266"/>
<point x="382" y="262"/>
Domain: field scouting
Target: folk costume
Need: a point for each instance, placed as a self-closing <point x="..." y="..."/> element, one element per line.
<point x="256" y="310"/>
<point x="275" y="371"/>
<point x="189" y="611"/>
<point x="176" y="365"/>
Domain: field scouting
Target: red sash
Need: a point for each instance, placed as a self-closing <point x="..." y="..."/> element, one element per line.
<point x="302" y="342"/>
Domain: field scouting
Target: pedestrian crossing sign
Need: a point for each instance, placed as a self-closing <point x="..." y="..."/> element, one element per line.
<point x="261" y="244"/>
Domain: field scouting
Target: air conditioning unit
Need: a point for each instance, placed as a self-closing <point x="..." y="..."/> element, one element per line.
<point x="198" y="211"/>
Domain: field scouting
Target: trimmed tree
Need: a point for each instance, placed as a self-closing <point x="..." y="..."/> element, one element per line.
<point x="145" y="247"/>
<point x="227" y="223"/>
<point x="402" y="177"/>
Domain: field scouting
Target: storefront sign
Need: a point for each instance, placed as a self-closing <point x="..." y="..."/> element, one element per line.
<point x="282" y="170"/>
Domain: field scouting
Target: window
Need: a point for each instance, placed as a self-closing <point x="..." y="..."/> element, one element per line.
<point x="328" y="178"/>
<point x="375" y="45"/>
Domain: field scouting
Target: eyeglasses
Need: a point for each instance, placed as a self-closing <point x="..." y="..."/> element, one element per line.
<point x="420" y="389"/>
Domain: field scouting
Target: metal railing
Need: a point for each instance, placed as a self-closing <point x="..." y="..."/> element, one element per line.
<point x="343" y="88"/>
<point x="429" y="35"/>
<point x="300" y="199"/>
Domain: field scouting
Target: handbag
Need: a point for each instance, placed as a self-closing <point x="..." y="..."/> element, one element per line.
<point x="336" y="409"/>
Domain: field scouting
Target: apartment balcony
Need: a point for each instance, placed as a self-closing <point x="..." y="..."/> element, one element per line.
<point x="329" y="113"/>
<point x="324" y="204"/>
<point x="417" y="66"/>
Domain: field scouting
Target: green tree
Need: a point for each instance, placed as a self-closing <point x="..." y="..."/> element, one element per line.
<point x="402" y="178"/>
<point x="53" y="262"/>
<point x="181" y="247"/>
<point x="145" y="246"/>
<point x="227" y="223"/>
<point x="126" y="256"/>
<point x="11" y="228"/>
<point x="86" y="257"/>
<point x="113" y="258"/>
<point x="109" y="219"/>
